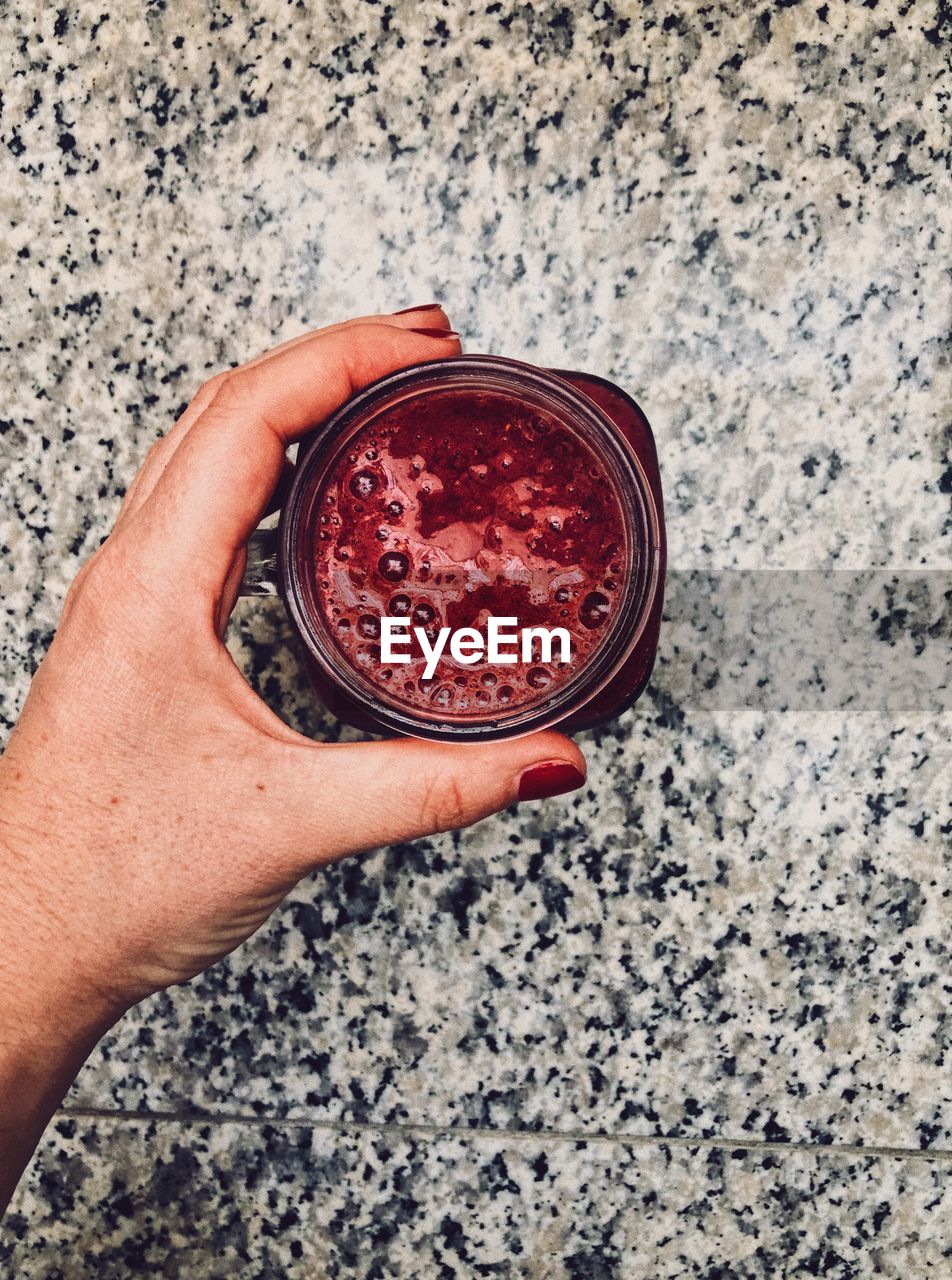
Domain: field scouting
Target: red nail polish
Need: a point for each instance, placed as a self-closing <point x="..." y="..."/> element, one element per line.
<point x="545" y="780"/>
<point x="427" y="306"/>
<point x="436" y="333"/>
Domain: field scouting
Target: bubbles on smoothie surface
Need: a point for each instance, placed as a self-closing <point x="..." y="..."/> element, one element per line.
<point x="423" y="614"/>
<point x="368" y="624"/>
<point x="594" y="610"/>
<point x="363" y="484"/>
<point x="470" y="504"/>
<point x="393" y="566"/>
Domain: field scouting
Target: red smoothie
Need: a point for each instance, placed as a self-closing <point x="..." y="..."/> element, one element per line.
<point x="459" y="505"/>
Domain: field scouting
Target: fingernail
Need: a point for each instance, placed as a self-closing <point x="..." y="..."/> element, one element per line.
<point x="553" y="779"/>
<point x="427" y="306"/>
<point x="436" y="333"/>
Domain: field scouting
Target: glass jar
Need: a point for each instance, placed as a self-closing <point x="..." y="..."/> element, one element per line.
<point x="448" y="492"/>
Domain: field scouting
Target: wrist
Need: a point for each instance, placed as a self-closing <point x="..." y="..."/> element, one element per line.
<point x="47" y="1013"/>
<point x="48" y="1027"/>
<point x="53" y="991"/>
<point x="51" y="1017"/>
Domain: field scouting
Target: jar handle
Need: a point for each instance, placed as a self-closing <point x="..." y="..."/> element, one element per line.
<point x="261" y="567"/>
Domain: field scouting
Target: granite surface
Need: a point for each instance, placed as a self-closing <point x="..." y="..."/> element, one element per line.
<point x="114" y="1199"/>
<point x="739" y="932"/>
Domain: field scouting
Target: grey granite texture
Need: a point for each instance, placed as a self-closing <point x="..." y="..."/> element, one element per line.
<point x="739" y="932"/>
<point x="112" y="1199"/>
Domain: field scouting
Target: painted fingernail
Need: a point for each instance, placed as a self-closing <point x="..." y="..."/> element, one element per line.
<point x="436" y="333"/>
<point x="553" y="779"/>
<point x="427" y="306"/>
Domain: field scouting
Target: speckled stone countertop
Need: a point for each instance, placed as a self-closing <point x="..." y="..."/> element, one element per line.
<point x="693" y="1021"/>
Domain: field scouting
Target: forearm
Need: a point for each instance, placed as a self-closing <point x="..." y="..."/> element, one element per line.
<point x="52" y="1013"/>
<point x="39" y="1059"/>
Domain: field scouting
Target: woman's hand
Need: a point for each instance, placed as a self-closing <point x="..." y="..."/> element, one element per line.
<point x="153" y="811"/>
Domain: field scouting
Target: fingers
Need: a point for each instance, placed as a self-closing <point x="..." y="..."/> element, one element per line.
<point x="340" y="799"/>
<point x="216" y="484"/>
<point x="229" y="593"/>
<point x="161" y="453"/>
<point x="156" y="460"/>
<point x="434" y="316"/>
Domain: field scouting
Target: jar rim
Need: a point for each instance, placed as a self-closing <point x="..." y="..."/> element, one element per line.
<point x="512" y="378"/>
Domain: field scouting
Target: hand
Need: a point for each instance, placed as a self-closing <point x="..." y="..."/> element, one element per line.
<point x="153" y="811"/>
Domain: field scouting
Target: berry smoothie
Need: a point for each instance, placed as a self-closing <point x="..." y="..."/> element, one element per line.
<point x="453" y="507"/>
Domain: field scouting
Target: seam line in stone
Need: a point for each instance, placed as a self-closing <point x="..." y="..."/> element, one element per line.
<point x="936" y="1154"/>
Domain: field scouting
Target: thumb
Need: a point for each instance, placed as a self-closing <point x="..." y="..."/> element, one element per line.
<point x="339" y="799"/>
